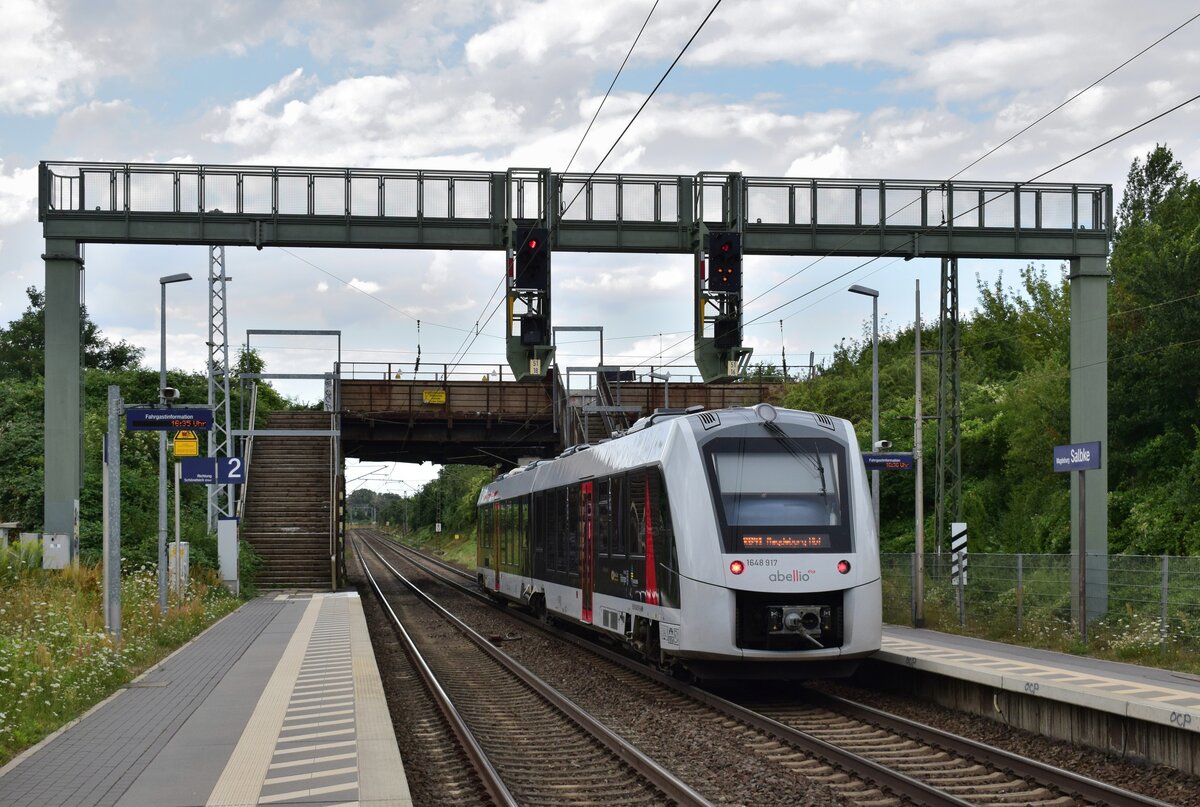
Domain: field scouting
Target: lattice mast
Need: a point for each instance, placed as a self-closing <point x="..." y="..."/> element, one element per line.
<point x="948" y="492"/>
<point x="220" y="497"/>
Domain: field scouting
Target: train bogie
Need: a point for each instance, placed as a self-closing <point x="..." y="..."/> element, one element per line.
<point x="738" y="542"/>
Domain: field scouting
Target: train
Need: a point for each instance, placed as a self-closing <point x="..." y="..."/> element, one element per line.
<point x="730" y="543"/>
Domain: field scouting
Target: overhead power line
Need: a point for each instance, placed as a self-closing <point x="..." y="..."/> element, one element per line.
<point x="686" y="45"/>
<point x="610" y="87"/>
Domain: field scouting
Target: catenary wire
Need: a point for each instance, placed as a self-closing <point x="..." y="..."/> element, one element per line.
<point x="610" y="88"/>
<point x="686" y="45"/>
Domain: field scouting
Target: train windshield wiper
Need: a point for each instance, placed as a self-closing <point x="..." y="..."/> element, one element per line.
<point x="813" y="458"/>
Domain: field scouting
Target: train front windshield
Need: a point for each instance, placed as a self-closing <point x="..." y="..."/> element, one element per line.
<point x="776" y="493"/>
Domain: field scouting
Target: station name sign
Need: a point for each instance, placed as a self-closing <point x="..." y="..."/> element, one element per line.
<point x="1077" y="457"/>
<point x="168" y="420"/>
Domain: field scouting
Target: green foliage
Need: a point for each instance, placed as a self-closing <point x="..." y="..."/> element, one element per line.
<point x="449" y="499"/>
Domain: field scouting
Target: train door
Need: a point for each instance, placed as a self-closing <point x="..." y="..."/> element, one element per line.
<point x="587" y="558"/>
<point x="497" y="534"/>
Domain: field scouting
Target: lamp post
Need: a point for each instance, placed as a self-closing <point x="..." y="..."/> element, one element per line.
<point x="666" y="379"/>
<point x="162" y="443"/>
<point x="874" y="295"/>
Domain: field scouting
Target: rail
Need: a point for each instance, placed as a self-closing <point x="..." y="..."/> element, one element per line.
<point x="675" y="790"/>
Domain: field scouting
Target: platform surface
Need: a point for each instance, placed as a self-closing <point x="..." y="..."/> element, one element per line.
<point x="279" y="703"/>
<point x="1144" y="693"/>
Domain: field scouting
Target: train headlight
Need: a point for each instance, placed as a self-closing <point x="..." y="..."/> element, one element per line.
<point x="843" y="567"/>
<point x="737" y="567"/>
<point x="766" y="413"/>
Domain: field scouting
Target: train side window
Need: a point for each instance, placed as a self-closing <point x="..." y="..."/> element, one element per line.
<point x="573" y="520"/>
<point x="505" y="513"/>
<point x="526" y="527"/>
<point x="603" y="517"/>
<point x="551" y="535"/>
<point x="619" y="521"/>
<point x="562" y="527"/>
<point x="637" y="512"/>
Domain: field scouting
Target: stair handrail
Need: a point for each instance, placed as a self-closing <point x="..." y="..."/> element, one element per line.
<point x="248" y="450"/>
<point x="334" y="466"/>
<point x="614" y="421"/>
<point x="570" y="421"/>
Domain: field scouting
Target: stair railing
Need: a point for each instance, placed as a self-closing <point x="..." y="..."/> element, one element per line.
<point x="247" y="450"/>
<point x="334" y="468"/>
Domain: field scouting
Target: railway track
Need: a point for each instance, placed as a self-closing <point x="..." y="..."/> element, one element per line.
<point x="528" y="744"/>
<point x="861" y="754"/>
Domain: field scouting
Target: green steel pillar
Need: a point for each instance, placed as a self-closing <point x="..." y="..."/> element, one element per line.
<point x="64" y="405"/>
<point x="1089" y="422"/>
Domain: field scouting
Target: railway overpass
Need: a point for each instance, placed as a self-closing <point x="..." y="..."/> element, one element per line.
<point x="478" y="418"/>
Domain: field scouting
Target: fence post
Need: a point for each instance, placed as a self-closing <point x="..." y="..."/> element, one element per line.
<point x="1020" y="589"/>
<point x="913" y="590"/>
<point x="1162" y="625"/>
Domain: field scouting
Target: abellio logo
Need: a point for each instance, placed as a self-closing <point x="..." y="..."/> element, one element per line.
<point x="794" y="576"/>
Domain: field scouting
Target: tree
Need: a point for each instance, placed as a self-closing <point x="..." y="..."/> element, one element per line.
<point x="23" y="344"/>
<point x="1154" y="391"/>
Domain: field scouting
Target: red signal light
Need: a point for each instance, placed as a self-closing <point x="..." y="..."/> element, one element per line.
<point x="737" y="567"/>
<point x="725" y="247"/>
<point x="533" y="243"/>
<point x="843" y="567"/>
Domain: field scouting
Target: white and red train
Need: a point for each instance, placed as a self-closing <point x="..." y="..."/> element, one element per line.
<point x="732" y="543"/>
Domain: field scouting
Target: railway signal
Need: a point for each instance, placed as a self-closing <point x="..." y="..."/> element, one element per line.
<point x="727" y="332"/>
<point x="725" y="261"/>
<point x="531" y="256"/>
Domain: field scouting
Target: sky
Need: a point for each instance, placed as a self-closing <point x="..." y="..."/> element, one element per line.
<point x="895" y="89"/>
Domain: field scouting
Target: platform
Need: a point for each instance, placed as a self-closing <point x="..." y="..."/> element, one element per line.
<point x="278" y="703"/>
<point x="1127" y="709"/>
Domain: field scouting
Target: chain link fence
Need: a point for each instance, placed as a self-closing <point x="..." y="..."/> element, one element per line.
<point x="1153" y="603"/>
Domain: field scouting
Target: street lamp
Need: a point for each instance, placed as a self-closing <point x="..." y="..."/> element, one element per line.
<point x="162" y="444"/>
<point x="874" y="295"/>
<point x="666" y="379"/>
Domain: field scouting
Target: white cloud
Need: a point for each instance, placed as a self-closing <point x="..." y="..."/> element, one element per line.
<point x="40" y="68"/>
<point x="18" y="195"/>
<point x="322" y="287"/>
<point x="369" y="286"/>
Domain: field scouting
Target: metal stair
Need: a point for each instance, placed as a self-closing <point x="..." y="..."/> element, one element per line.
<point x="289" y="504"/>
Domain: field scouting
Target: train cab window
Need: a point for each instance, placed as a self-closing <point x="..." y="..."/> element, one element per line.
<point x="777" y="493"/>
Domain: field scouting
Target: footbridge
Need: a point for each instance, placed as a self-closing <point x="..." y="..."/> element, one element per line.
<point x="479" y="415"/>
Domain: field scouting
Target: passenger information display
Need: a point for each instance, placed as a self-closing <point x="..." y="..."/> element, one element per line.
<point x="168" y="420"/>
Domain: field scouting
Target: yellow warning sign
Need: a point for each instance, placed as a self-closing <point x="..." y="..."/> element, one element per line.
<point x="434" y="396"/>
<point x="186" y="444"/>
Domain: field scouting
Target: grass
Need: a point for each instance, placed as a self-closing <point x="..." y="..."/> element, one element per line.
<point x="56" y="660"/>
<point x="457" y="548"/>
<point x="1123" y="634"/>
